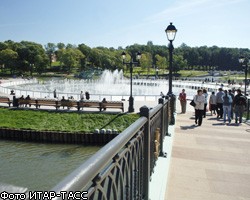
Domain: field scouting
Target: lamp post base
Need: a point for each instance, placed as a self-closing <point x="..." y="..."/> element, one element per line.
<point x="131" y="104"/>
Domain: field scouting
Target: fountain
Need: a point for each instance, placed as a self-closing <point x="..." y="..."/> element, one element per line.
<point x="109" y="84"/>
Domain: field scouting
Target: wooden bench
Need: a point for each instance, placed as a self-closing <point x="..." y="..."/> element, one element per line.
<point x="47" y="102"/>
<point x="4" y="99"/>
<point x="112" y="104"/>
<point x="68" y="103"/>
<point x="89" y="104"/>
<point x="26" y="102"/>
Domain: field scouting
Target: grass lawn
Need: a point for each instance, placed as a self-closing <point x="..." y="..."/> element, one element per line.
<point x="59" y="121"/>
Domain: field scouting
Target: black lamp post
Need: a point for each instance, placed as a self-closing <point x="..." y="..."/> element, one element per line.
<point x="171" y="32"/>
<point x="131" y="63"/>
<point x="243" y="60"/>
<point x="156" y="72"/>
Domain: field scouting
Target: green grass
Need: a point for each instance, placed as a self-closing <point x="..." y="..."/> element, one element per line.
<point x="191" y="73"/>
<point x="59" y="121"/>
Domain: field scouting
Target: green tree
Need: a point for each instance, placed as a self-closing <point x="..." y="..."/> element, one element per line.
<point x="70" y="58"/>
<point x="50" y="49"/>
<point x="31" y="55"/>
<point x="8" y="58"/>
<point x="146" y="61"/>
<point x="161" y="62"/>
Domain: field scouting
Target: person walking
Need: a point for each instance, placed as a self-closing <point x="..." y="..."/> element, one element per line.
<point x="227" y="106"/>
<point x="232" y="96"/>
<point x="204" y="91"/>
<point x="54" y="93"/>
<point x="199" y="100"/>
<point x="81" y="96"/>
<point x="212" y="103"/>
<point x="219" y="103"/>
<point x="239" y="104"/>
<point x="183" y="101"/>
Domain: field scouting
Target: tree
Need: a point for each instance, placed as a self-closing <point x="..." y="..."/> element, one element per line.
<point x="60" y="45"/>
<point x="178" y="63"/>
<point x="70" y="58"/>
<point x="161" y="62"/>
<point x="31" y="55"/>
<point x="50" y="49"/>
<point x="146" y="61"/>
<point x="8" y="58"/>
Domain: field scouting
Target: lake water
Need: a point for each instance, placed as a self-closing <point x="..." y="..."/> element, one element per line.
<point x="39" y="166"/>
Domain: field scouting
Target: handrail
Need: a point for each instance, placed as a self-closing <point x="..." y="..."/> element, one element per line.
<point x="89" y="169"/>
<point x="122" y="168"/>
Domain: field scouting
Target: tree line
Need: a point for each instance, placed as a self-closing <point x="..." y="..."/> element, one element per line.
<point x="30" y="57"/>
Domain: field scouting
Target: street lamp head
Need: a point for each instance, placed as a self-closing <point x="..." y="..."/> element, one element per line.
<point x="123" y="55"/>
<point x="171" y="32"/>
<point x="138" y="55"/>
<point x="241" y="59"/>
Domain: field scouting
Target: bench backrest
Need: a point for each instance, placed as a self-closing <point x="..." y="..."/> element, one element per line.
<point x="47" y="102"/>
<point x="68" y="103"/>
<point x="89" y="103"/>
<point x="27" y="101"/>
<point x="3" y="98"/>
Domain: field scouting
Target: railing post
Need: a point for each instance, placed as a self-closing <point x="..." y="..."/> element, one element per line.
<point x="163" y="124"/>
<point x="248" y="106"/>
<point x="167" y="117"/>
<point x="144" y="112"/>
<point x="172" y="109"/>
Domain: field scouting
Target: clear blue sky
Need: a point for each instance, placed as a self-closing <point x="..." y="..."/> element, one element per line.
<point x="113" y="23"/>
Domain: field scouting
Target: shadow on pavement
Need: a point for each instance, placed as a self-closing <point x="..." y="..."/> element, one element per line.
<point x="188" y="127"/>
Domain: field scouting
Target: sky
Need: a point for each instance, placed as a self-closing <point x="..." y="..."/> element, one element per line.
<point x="116" y="23"/>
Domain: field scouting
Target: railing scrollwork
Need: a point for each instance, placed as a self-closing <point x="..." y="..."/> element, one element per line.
<point x="122" y="168"/>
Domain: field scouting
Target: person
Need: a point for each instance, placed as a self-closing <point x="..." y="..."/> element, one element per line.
<point x="81" y="96"/>
<point x="199" y="100"/>
<point x="227" y="104"/>
<point x="183" y="101"/>
<point x="12" y="92"/>
<point x="212" y="103"/>
<point x="54" y="93"/>
<point x="87" y="95"/>
<point x="162" y="95"/>
<point x="204" y="91"/>
<point x="232" y="96"/>
<point x="239" y="104"/>
<point x="22" y="97"/>
<point x="28" y="98"/>
<point x="63" y="100"/>
<point x="104" y="101"/>
<point x="219" y="103"/>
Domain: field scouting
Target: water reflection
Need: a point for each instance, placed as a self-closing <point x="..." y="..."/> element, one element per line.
<point x="40" y="166"/>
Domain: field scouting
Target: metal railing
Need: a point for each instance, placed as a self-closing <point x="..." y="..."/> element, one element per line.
<point x="122" y="168"/>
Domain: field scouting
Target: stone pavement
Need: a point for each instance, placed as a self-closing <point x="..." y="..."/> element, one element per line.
<point x="210" y="162"/>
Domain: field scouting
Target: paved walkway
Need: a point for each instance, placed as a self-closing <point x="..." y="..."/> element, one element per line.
<point x="210" y="162"/>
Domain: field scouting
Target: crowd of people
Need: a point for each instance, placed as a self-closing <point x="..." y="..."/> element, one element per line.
<point x="225" y="104"/>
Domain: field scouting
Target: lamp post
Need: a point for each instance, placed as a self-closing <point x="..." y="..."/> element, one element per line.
<point x="156" y="72"/>
<point x="171" y="32"/>
<point x="243" y="60"/>
<point x="131" y="63"/>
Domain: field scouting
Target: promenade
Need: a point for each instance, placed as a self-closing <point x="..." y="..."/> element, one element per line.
<point x="210" y="162"/>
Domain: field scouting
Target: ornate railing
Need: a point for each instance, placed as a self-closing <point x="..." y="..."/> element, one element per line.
<point x="122" y="168"/>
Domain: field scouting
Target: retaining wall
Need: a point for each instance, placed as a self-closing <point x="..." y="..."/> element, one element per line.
<point x="56" y="137"/>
